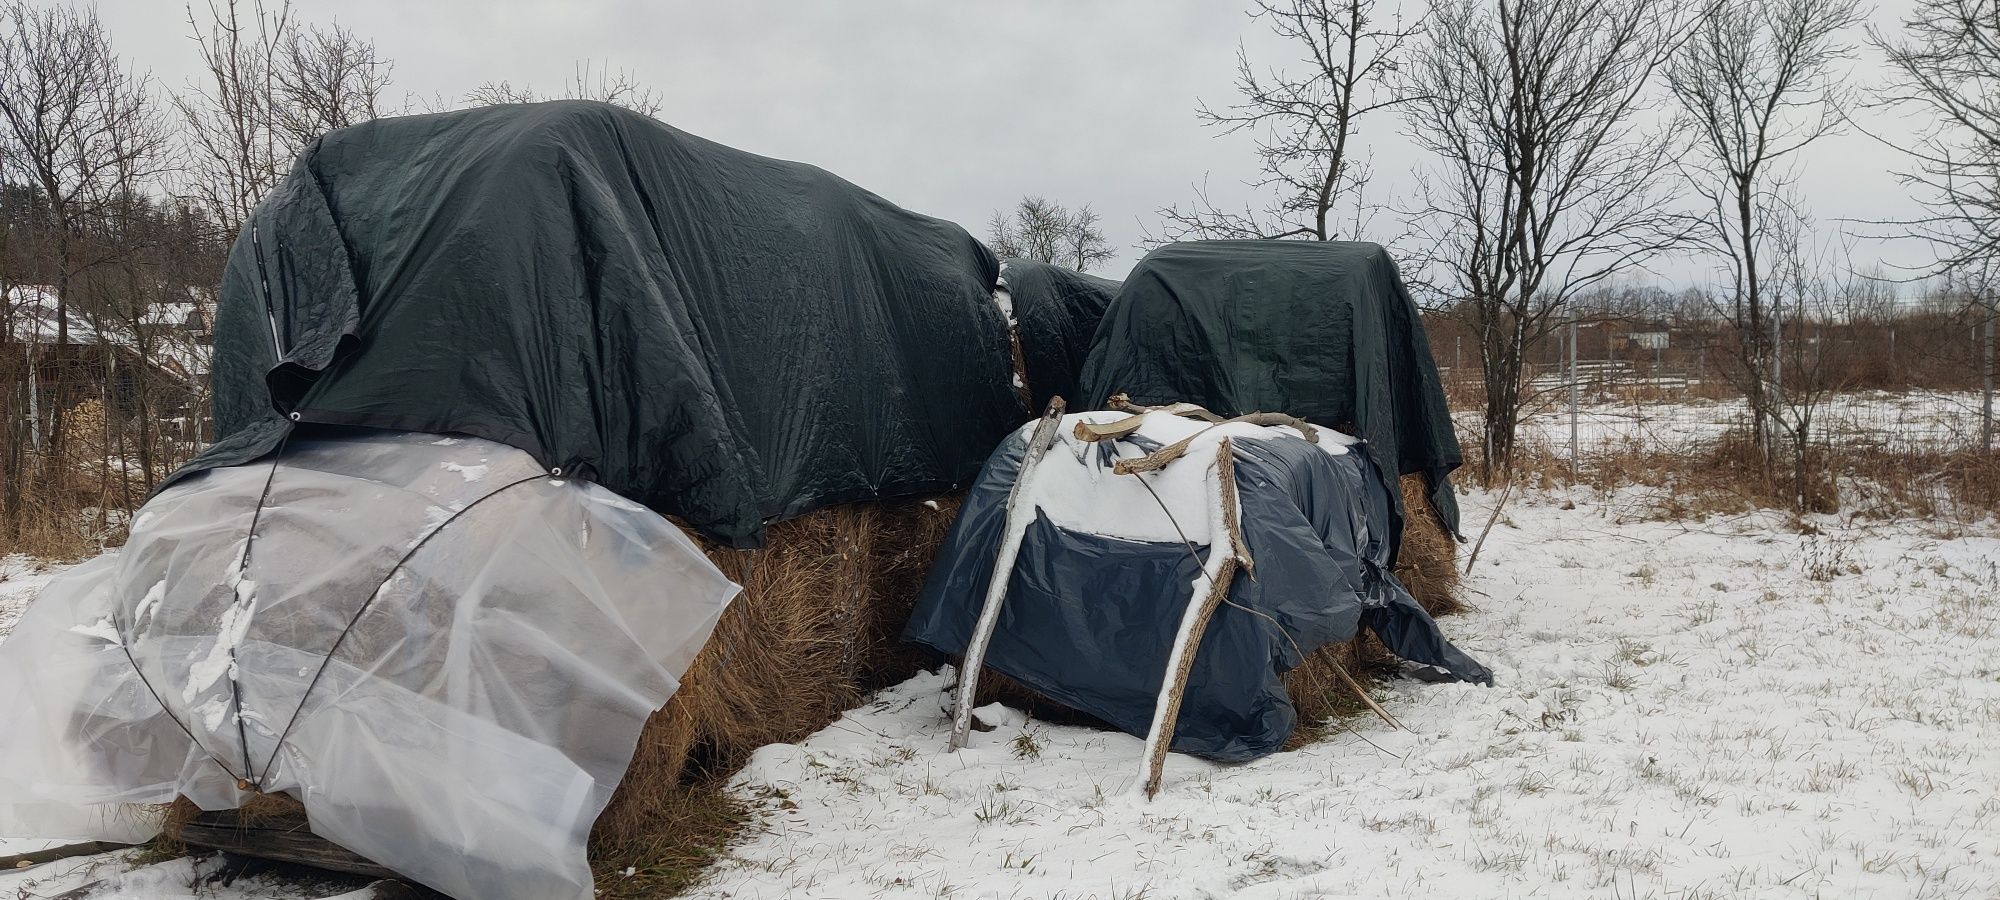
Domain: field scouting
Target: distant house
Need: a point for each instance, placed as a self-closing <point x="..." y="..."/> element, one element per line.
<point x="1644" y="340"/>
<point x="171" y="348"/>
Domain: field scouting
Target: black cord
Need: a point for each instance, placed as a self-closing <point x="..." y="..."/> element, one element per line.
<point x="279" y="745"/>
<point x="1196" y="556"/>
<point x="242" y="572"/>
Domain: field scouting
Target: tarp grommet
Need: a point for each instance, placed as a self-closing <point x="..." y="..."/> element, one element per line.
<point x="556" y="472"/>
<point x="295" y="415"/>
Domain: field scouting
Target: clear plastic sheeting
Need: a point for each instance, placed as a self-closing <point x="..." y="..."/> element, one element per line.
<point x="446" y="653"/>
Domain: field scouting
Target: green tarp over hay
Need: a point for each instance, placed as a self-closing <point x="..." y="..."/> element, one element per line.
<point x="1057" y="311"/>
<point x="724" y="337"/>
<point x="1323" y="330"/>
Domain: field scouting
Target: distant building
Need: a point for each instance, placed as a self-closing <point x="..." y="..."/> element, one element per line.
<point x="1643" y="340"/>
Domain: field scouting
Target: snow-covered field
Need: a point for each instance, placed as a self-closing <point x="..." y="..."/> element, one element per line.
<point x="21" y="577"/>
<point x="1906" y="421"/>
<point x="1682" y="710"/>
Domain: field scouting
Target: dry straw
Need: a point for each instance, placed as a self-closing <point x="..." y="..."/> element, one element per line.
<point x="817" y="626"/>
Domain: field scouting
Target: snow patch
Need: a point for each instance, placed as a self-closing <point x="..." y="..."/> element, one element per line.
<point x="148" y="604"/>
<point x="999" y="715"/>
<point x="102" y="629"/>
<point x="469" y="473"/>
<point x="229" y="634"/>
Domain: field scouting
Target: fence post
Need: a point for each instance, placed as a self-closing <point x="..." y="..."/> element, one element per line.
<point x="1986" y="377"/>
<point x="1573" y="391"/>
<point x="34" y="398"/>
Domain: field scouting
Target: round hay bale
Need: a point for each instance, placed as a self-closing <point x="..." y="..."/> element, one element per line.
<point x="1427" y="564"/>
<point x="818" y="624"/>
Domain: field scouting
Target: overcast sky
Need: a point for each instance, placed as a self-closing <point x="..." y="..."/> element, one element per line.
<point x="941" y="110"/>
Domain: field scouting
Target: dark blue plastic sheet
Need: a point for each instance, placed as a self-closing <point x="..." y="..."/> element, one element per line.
<point x="1089" y="620"/>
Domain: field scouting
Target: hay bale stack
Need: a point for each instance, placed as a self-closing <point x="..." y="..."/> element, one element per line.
<point x="1428" y="565"/>
<point x="819" y="623"/>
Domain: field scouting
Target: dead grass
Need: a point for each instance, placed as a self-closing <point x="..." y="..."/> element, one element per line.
<point x="71" y="508"/>
<point x="1725" y="477"/>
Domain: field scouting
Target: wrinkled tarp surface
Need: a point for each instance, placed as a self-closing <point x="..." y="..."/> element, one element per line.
<point x="720" y="336"/>
<point x="475" y="712"/>
<point x="1090" y="617"/>
<point x="1322" y="330"/>
<point x="1056" y="311"/>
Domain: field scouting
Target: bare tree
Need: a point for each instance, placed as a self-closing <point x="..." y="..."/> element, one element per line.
<point x="1946" y="64"/>
<point x="270" y="85"/>
<point x="1546" y="183"/>
<point x="1757" y="82"/>
<point x="1043" y="229"/>
<point x="327" y="78"/>
<point x="616" y="86"/>
<point x="81" y="130"/>
<point x="1804" y="373"/>
<point x="1304" y="119"/>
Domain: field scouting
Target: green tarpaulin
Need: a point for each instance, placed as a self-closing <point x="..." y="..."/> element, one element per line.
<point x="724" y="337"/>
<point x="1323" y="330"/>
<point x="1056" y="312"/>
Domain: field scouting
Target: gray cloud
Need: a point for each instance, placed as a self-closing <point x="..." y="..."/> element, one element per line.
<point x="950" y="109"/>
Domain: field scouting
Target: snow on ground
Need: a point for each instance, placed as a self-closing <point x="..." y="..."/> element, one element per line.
<point x="21" y="578"/>
<point x="113" y="876"/>
<point x="1680" y="712"/>
<point x="1917" y="420"/>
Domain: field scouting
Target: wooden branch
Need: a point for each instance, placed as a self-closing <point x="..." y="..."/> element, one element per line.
<point x="1495" y="517"/>
<point x="286" y="843"/>
<point x="1159" y="459"/>
<point x="1123" y="403"/>
<point x="1362" y="692"/>
<point x="1039" y="443"/>
<point x="1202" y="608"/>
<point x="1122" y="428"/>
<point x="1225" y="474"/>
<point x="53" y="854"/>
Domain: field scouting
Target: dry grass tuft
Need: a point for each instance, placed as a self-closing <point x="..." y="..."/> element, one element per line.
<point x="1698" y="479"/>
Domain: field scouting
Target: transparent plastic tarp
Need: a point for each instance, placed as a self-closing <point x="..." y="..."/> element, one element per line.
<point x="446" y="653"/>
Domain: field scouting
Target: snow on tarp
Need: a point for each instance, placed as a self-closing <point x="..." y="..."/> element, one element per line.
<point x="1056" y="311"/>
<point x="1324" y="330"/>
<point x="720" y="336"/>
<point x="1104" y="572"/>
<point x="462" y="720"/>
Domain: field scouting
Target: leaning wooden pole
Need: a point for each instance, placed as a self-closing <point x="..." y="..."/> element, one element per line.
<point x="1226" y="552"/>
<point x="1019" y="515"/>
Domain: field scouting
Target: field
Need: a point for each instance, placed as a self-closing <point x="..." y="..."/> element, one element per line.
<point x="1755" y="704"/>
<point x="1681" y="711"/>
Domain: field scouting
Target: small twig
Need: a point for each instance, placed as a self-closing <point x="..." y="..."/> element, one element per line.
<point x="1362" y="692"/>
<point x="1505" y="490"/>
